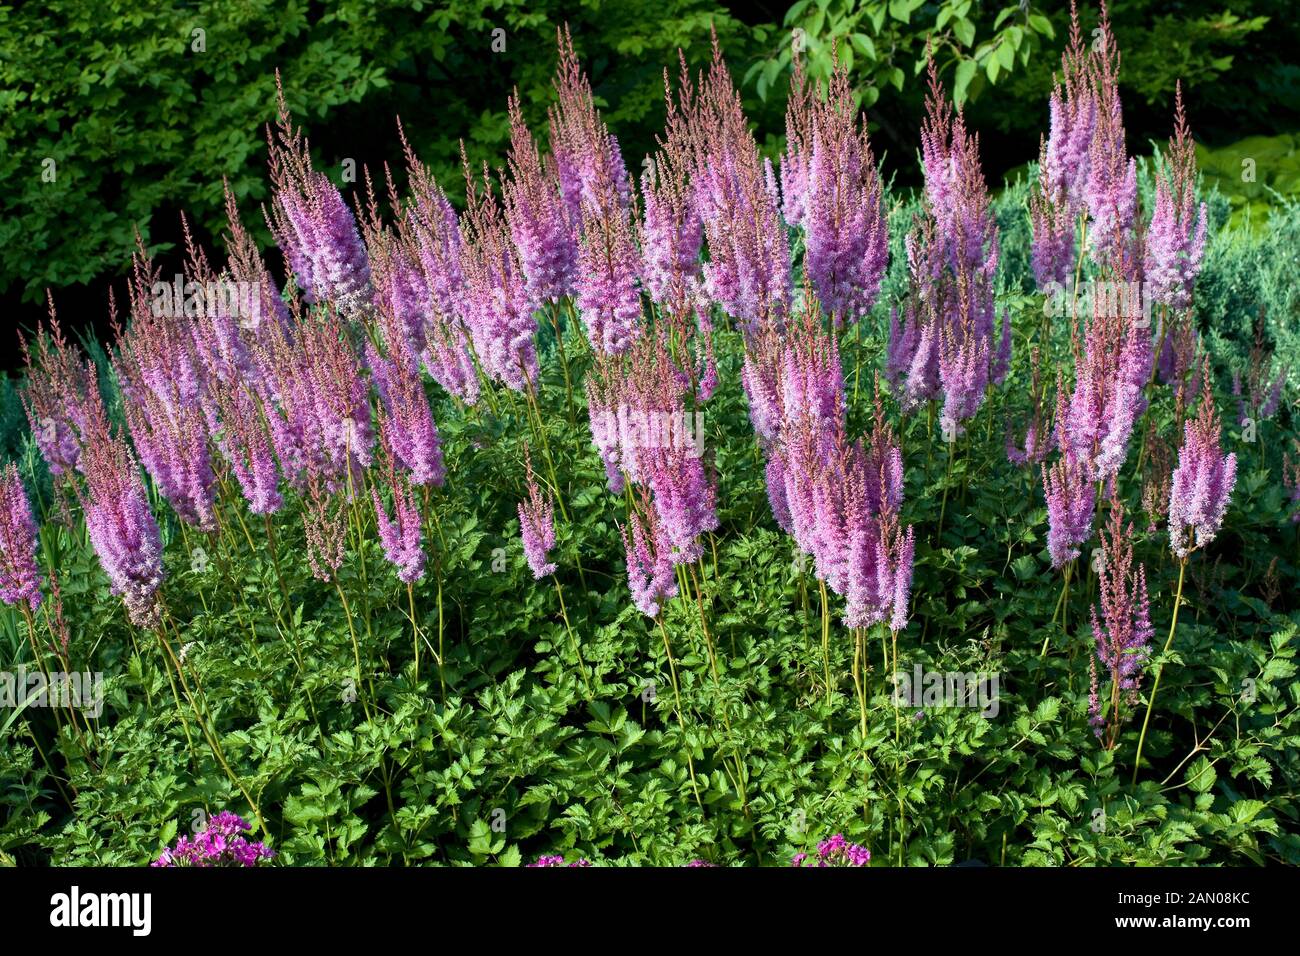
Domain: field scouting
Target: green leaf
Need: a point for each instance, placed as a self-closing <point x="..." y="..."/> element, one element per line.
<point x="1200" y="775"/>
<point x="965" y="72"/>
<point x="964" y="30"/>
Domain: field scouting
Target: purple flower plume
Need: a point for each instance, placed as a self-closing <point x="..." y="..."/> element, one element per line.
<point x="537" y="525"/>
<point x="122" y="529"/>
<point x="1202" y="481"/>
<point x="19" y="578"/>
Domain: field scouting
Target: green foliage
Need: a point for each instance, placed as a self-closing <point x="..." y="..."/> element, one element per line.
<point x="884" y="44"/>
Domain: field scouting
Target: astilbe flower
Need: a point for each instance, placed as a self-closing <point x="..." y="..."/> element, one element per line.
<point x="221" y="842"/>
<point x="631" y="401"/>
<point x="1071" y="498"/>
<point x="58" y="387"/>
<point x="957" y="198"/>
<point x="1203" y="480"/>
<point x="792" y="372"/>
<point x="163" y="393"/>
<point x="538" y="216"/>
<point x="1111" y="189"/>
<point x="432" y="233"/>
<point x="599" y="198"/>
<point x="585" y="155"/>
<point x="121" y="528"/>
<point x="840" y="501"/>
<point x="498" y="308"/>
<point x="604" y="387"/>
<point x="245" y="443"/>
<point x="1112" y="365"/>
<point x="748" y="272"/>
<point x="833" y="190"/>
<point x="217" y="318"/>
<point x="671" y="230"/>
<point x="401" y="291"/>
<point x="246" y="266"/>
<point x="1073" y="110"/>
<point x="837" y="852"/>
<point x="312" y="223"/>
<point x="963" y="374"/>
<point x="406" y="420"/>
<point x="608" y="293"/>
<point x="684" y="495"/>
<point x="1123" y="632"/>
<point x="912" y="359"/>
<point x="537" y="525"/>
<point x="879" y="573"/>
<point x="1059" y="197"/>
<point x="946" y="343"/>
<point x="1175" y="245"/>
<point x="401" y="535"/>
<point x="19" y="578"/>
<point x="317" y="403"/>
<point x="640" y="424"/>
<point x="650" y="575"/>
<point x="1051" y="251"/>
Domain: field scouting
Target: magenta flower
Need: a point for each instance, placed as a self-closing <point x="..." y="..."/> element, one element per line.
<point x="406" y="420"/>
<point x="317" y="404"/>
<point x="498" y="307"/>
<point x="547" y="861"/>
<point x="608" y="293"/>
<point x="245" y="442"/>
<point x="538" y="216"/>
<point x="221" y="842"/>
<point x="1073" y="110"/>
<point x="1202" y="481"/>
<point x="650" y="574"/>
<point x="748" y="271"/>
<point x="671" y="228"/>
<point x="58" y="388"/>
<point x="19" y="578"/>
<point x="1111" y="189"/>
<point x="313" y="225"/>
<point x="537" y="525"/>
<point x="122" y="529"/>
<point x="833" y="190"/>
<point x="400" y="535"/>
<point x="1175" y="246"/>
<point x="836" y="852"/>
<point x="1052" y="248"/>
<point x="1071" y="498"/>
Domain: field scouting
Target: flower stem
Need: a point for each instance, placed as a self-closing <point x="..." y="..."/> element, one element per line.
<point x="1155" y="688"/>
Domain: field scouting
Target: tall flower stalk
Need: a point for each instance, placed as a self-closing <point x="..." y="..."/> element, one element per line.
<point x="1198" y="499"/>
